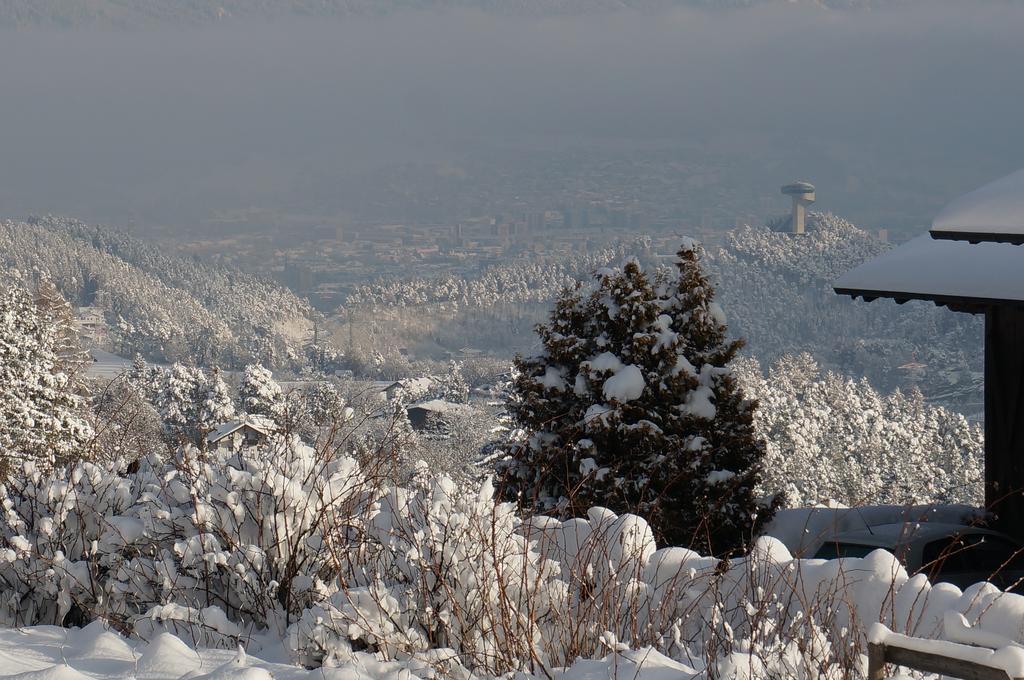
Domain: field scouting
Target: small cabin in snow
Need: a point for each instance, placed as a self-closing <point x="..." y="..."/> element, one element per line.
<point x="240" y="433"/>
<point x="409" y="389"/>
<point x="422" y="414"/>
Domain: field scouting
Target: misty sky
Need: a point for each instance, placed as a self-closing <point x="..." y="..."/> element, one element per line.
<point x="167" y="126"/>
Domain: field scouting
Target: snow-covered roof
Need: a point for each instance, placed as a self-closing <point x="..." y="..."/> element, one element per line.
<point x="382" y="385"/>
<point x="442" y="406"/>
<point x="995" y="212"/>
<point x="416" y="384"/>
<point x="962" y="276"/>
<point x="888" y="535"/>
<point x="262" y="425"/>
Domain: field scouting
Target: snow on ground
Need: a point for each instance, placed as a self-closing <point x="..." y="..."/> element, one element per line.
<point x="52" y="653"/>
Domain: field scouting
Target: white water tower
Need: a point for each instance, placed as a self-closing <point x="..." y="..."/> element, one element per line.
<point x="803" y="196"/>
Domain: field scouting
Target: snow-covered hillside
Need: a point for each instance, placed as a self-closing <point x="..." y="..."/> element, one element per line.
<point x="163" y="307"/>
<point x="777" y="290"/>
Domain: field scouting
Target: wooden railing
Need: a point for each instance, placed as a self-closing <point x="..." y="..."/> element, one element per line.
<point x="880" y="654"/>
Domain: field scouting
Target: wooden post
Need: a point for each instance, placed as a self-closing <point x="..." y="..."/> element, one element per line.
<point x="1004" y="417"/>
<point x="876" y="661"/>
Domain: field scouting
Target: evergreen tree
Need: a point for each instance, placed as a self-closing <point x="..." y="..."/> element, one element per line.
<point x="57" y="313"/>
<point x="217" y="406"/>
<point x="42" y="418"/>
<point x="324" y="405"/>
<point x="259" y="393"/>
<point x="180" y="402"/>
<point x="452" y="386"/>
<point x="632" y="405"/>
<point x="191" y="403"/>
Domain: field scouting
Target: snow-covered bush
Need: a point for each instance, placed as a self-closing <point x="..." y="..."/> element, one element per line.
<point x="305" y="545"/>
<point x="253" y="533"/>
<point x="450" y="572"/>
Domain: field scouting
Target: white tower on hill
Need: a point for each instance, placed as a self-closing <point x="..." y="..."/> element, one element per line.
<point x="803" y="196"/>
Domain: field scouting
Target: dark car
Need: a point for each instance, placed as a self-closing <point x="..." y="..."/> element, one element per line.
<point x="949" y="553"/>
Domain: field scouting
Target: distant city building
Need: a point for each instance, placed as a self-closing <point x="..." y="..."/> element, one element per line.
<point x="618" y="219"/>
<point x="575" y="218"/>
<point x="298" y="277"/>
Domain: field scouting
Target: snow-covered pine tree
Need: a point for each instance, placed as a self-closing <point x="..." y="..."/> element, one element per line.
<point x="323" y="404"/>
<point x="146" y="379"/>
<point x="259" y="394"/>
<point x="191" y="403"/>
<point x="41" y="416"/>
<point x="180" y="402"/>
<point x="56" y="312"/>
<point x="452" y="386"/>
<point x="217" y="407"/>
<point x="632" y="405"/>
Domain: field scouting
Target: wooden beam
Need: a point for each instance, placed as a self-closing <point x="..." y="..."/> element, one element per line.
<point x="1004" y="417"/>
<point x="879" y="655"/>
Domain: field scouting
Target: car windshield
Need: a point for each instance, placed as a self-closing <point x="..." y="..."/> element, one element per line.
<point x="830" y="550"/>
<point x="972" y="553"/>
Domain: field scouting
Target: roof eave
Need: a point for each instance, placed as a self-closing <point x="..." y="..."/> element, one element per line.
<point x="955" y="303"/>
<point x="975" y="237"/>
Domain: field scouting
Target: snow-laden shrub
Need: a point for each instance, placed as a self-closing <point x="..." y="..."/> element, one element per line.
<point x="450" y="571"/>
<point x="255" y="533"/>
<point x="260" y="534"/>
<point x="305" y="544"/>
<point x="62" y="536"/>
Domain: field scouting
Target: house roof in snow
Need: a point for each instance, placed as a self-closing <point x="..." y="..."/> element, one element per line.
<point x="416" y="384"/>
<point x="262" y="425"/>
<point x="441" y="406"/>
<point x="995" y="212"/>
<point x="959" y="275"/>
<point x="381" y="385"/>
